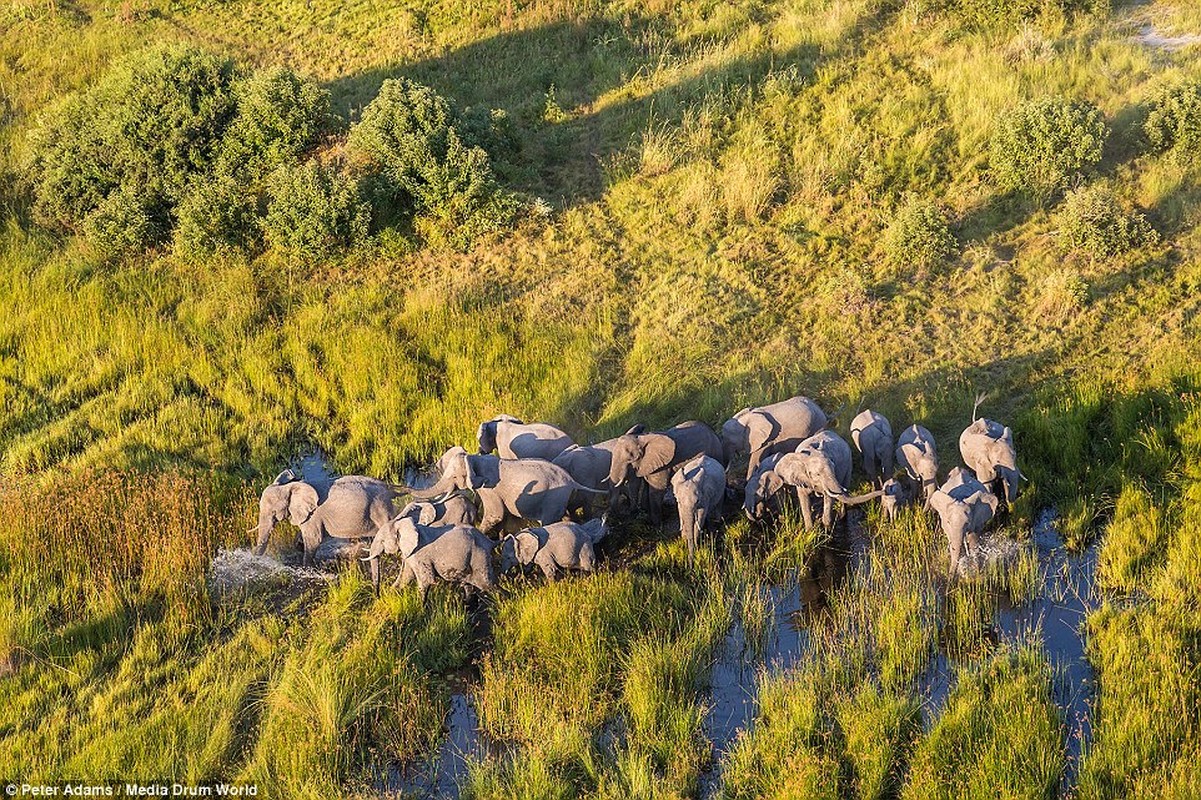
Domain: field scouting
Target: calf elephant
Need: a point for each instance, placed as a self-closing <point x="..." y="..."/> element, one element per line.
<point x="512" y="438"/>
<point x="354" y="507"/>
<point x="554" y="548"/>
<point x="872" y="435"/>
<point x="699" y="487"/>
<point x="527" y="488"/>
<point x="777" y="428"/>
<point x="454" y="553"/>
<point x="755" y="504"/>
<point x="895" y="496"/>
<point x="987" y="449"/>
<point x="454" y="509"/>
<point x="821" y="465"/>
<point x="964" y="507"/>
<point x="918" y="457"/>
<point x="651" y="456"/>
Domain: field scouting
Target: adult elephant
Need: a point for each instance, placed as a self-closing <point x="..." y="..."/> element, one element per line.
<point x="589" y="465"/>
<point x="821" y="465"/>
<point x="354" y="507"/>
<point x="509" y="437"/>
<point x="777" y="428"/>
<point x="918" y="457"/>
<point x="651" y="457"/>
<point x="987" y="449"/>
<point x="457" y="554"/>
<point x="872" y="435"/>
<point x="964" y="506"/>
<point x="527" y="488"/>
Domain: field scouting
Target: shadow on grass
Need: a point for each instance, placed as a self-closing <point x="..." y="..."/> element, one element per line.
<point x="550" y="80"/>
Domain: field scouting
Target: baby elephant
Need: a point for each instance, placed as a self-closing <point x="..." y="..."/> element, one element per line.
<point x="699" y="488"/>
<point x="965" y="506"/>
<point x="895" y="496"/>
<point x="554" y="548"/>
<point x="452" y="553"/>
<point x="456" y="509"/>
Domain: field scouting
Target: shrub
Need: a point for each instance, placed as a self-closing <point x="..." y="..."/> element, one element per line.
<point x="919" y="236"/>
<point x="1040" y="144"/>
<point x="1175" y="121"/>
<point x="280" y="117"/>
<point x="314" y="212"/>
<point x="217" y="217"/>
<point x="991" y="13"/>
<point x="125" y="223"/>
<point x="150" y="125"/>
<point x="1092" y="221"/>
<point x="414" y="140"/>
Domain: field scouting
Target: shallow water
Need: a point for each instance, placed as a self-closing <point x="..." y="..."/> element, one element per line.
<point x="442" y="775"/>
<point x="1056" y="617"/>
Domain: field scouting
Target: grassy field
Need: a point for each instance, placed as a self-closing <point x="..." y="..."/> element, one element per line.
<point x="718" y="184"/>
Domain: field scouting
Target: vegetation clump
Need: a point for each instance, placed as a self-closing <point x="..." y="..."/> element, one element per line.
<point x="314" y="212"/>
<point x="1174" y="123"/>
<point x="1042" y="143"/>
<point x="919" y="237"/>
<point x="1093" y="221"/>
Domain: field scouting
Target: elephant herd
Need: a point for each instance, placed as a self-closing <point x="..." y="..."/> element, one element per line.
<point x="535" y="473"/>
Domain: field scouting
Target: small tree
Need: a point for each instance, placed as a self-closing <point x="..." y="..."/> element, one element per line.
<point x="412" y="138"/>
<point x="1042" y="143"/>
<point x="1093" y="221"/>
<point x="314" y="212"/>
<point x="919" y="236"/>
<point x="1175" y="122"/>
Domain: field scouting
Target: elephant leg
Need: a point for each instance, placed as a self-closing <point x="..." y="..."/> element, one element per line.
<point x="587" y="558"/>
<point x="548" y="567"/>
<point x="828" y="512"/>
<point x="406" y="575"/>
<point x="493" y="512"/>
<point x="656" y="504"/>
<point x="312" y="538"/>
<point x="973" y="545"/>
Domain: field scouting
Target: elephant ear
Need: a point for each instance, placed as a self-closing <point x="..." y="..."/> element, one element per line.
<point x="287" y="476"/>
<point x="527" y="546"/>
<point x="302" y="502"/>
<point x="791" y="469"/>
<point x="983" y="506"/>
<point x="658" y="451"/>
<point x="760" y="429"/>
<point x="407" y="539"/>
<point x="427" y="513"/>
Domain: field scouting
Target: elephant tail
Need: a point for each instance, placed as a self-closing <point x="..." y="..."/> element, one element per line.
<point x="980" y="398"/>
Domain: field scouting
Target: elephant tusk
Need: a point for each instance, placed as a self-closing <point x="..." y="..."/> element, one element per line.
<point x="252" y="529"/>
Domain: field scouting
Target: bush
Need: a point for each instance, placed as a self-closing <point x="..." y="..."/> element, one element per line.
<point x="314" y="212"/>
<point x="1175" y="121"/>
<point x="918" y="236"/>
<point x="1042" y="143"/>
<point x="150" y="125"/>
<point x="217" y="217"/>
<point x="428" y="161"/>
<point x="280" y="117"/>
<point x="1092" y="221"/>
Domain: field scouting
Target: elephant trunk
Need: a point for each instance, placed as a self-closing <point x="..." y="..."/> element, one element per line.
<point x="443" y="487"/>
<point x="848" y="500"/>
<point x="266" y="527"/>
<point x="1010" y="477"/>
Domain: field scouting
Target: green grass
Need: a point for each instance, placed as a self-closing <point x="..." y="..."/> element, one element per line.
<point x="718" y="180"/>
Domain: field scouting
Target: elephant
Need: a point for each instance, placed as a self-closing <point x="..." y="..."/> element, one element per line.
<point x="452" y="553"/>
<point x="589" y="466"/>
<point x="651" y="456"/>
<point x="387" y="539"/>
<point x="354" y="507"/>
<point x="872" y="436"/>
<point x="987" y="449"/>
<point x="755" y="506"/>
<point x="446" y="458"/>
<point x="455" y="509"/>
<point x="895" y="496"/>
<point x="509" y="437"/>
<point x="554" y="548"/>
<point x="820" y="465"/>
<point x="528" y="488"/>
<point x="699" y="487"/>
<point x="918" y="457"/>
<point x="777" y="428"/>
<point x="964" y="506"/>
